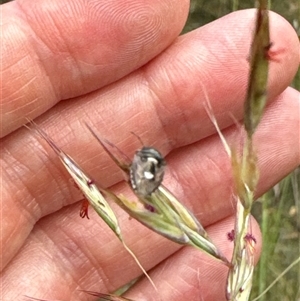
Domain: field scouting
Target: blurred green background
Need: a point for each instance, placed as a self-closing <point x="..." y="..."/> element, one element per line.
<point x="278" y="212"/>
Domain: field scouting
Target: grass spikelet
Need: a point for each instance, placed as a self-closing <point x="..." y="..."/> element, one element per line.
<point x="91" y="192"/>
<point x="245" y="169"/>
<point x="161" y="212"/>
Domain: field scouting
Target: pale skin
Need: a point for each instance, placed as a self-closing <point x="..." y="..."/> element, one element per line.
<point x="121" y="67"/>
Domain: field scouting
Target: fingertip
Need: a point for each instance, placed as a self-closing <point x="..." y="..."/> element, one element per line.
<point x="62" y="49"/>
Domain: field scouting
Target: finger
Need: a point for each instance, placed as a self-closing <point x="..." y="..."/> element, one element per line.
<point x="200" y="178"/>
<point x="47" y="258"/>
<point x="61" y="49"/>
<point x="191" y="275"/>
<point x="32" y="184"/>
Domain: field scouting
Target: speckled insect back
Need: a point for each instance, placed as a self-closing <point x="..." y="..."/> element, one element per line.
<point x="147" y="171"/>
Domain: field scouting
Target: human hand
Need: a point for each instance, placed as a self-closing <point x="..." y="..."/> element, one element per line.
<point x="121" y="68"/>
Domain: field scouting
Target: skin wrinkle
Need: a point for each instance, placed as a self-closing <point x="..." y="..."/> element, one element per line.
<point x="172" y="288"/>
<point x="84" y="281"/>
<point x="53" y="167"/>
<point x="179" y="88"/>
<point x="69" y="132"/>
<point x="100" y="121"/>
<point x="12" y="224"/>
<point x="62" y="187"/>
<point x="171" y="180"/>
<point x="40" y="59"/>
<point x="231" y="46"/>
<point x="222" y="178"/>
<point x="159" y="106"/>
<point x="14" y="232"/>
<point x="87" y="259"/>
<point x="10" y="100"/>
<point x="46" y="239"/>
<point x="22" y="108"/>
<point x="8" y="67"/>
<point x="36" y="37"/>
<point x="199" y="285"/>
<point x="24" y="208"/>
<point x="31" y="17"/>
<point x="185" y="182"/>
<point x="185" y="185"/>
<point x="156" y="108"/>
<point x="16" y="100"/>
<point x="210" y="194"/>
<point x="43" y="237"/>
<point x="27" y="181"/>
<point x="74" y="63"/>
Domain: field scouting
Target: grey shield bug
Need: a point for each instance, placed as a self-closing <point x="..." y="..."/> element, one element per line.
<point x="147" y="171"/>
